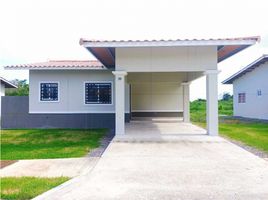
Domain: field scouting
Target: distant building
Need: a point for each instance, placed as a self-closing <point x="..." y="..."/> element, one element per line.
<point x="4" y="84"/>
<point x="250" y="88"/>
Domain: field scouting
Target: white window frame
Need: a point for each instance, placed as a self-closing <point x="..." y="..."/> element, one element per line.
<point x="245" y="97"/>
<point x="95" y="104"/>
<point x="40" y="91"/>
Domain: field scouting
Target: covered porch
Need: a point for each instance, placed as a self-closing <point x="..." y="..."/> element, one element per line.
<point x="189" y="59"/>
<point x="159" y="105"/>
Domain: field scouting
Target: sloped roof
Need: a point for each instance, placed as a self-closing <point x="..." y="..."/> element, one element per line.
<point x="104" y="50"/>
<point x="247" y="69"/>
<point x="7" y="83"/>
<point x="61" y="64"/>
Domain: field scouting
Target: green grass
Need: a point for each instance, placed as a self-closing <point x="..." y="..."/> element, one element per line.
<point x="48" y="143"/>
<point x="251" y="133"/>
<point x="27" y="187"/>
<point x="198" y="109"/>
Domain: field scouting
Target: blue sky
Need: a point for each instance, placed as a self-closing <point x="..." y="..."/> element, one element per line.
<point x="33" y="30"/>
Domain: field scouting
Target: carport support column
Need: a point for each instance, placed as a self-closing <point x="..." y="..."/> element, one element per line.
<point x="186" y="101"/>
<point x="119" y="102"/>
<point x="212" y="102"/>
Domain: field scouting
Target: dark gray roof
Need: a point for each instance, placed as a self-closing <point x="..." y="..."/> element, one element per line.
<point x="247" y="69"/>
<point x="7" y="83"/>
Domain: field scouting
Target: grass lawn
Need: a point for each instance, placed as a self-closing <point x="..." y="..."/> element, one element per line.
<point x="250" y="133"/>
<point x="27" y="187"/>
<point x="48" y="143"/>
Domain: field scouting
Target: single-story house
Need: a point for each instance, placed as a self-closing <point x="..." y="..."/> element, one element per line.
<point x="250" y="89"/>
<point x="3" y="85"/>
<point x="129" y="78"/>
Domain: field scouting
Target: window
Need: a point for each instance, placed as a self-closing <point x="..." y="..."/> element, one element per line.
<point x="258" y="92"/>
<point x="98" y="93"/>
<point x="242" y="98"/>
<point x="49" y="91"/>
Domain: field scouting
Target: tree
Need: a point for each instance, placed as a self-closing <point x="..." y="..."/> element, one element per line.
<point x="22" y="90"/>
<point x="226" y="97"/>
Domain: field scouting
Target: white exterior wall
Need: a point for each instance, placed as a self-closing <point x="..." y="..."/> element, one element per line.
<point x="255" y="106"/>
<point x="156" y="97"/>
<point x="156" y="92"/>
<point x="71" y="91"/>
<point x="164" y="59"/>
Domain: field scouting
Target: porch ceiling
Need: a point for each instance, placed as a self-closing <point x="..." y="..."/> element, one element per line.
<point x="104" y="50"/>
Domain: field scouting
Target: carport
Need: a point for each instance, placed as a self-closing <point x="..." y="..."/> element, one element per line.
<point x="166" y="63"/>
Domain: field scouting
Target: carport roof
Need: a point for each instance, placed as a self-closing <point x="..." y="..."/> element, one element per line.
<point x="104" y="50"/>
<point x="247" y="69"/>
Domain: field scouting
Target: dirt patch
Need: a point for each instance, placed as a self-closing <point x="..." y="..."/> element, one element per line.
<point x="10" y="191"/>
<point x="104" y="144"/>
<point x="238" y="120"/>
<point x="4" y="163"/>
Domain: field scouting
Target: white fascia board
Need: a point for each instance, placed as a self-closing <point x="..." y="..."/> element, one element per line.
<point x="244" y="69"/>
<point x="6" y="82"/>
<point x="169" y="43"/>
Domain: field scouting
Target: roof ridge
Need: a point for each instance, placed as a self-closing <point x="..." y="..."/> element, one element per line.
<point x="60" y="64"/>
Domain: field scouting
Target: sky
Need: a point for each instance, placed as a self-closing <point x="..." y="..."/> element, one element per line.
<point x="34" y="30"/>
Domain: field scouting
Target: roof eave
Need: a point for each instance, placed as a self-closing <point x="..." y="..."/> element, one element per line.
<point x="8" y="84"/>
<point x="114" y="44"/>
<point x="235" y="76"/>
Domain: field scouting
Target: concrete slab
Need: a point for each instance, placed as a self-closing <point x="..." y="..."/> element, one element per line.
<point x="166" y="129"/>
<point x="162" y="126"/>
<point x="177" y="170"/>
<point x="69" y="167"/>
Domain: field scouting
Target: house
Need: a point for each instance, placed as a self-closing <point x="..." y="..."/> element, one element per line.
<point x="130" y="78"/>
<point x="250" y="88"/>
<point x="3" y="85"/>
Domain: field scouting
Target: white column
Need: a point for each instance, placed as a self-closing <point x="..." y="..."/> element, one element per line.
<point x="186" y="101"/>
<point x="119" y="102"/>
<point x="212" y="102"/>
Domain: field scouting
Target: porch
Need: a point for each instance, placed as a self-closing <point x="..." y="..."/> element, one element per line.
<point x="190" y="59"/>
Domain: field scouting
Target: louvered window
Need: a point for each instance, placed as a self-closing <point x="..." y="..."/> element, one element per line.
<point x="98" y="93"/>
<point x="49" y="91"/>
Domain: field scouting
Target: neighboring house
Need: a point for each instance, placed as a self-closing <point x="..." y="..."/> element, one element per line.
<point x="250" y="88"/>
<point x="3" y="85"/>
<point x="130" y="78"/>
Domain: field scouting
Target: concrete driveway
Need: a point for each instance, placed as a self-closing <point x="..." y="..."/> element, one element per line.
<point x="189" y="167"/>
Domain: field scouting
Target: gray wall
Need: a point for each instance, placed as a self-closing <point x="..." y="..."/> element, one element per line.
<point x="15" y="114"/>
